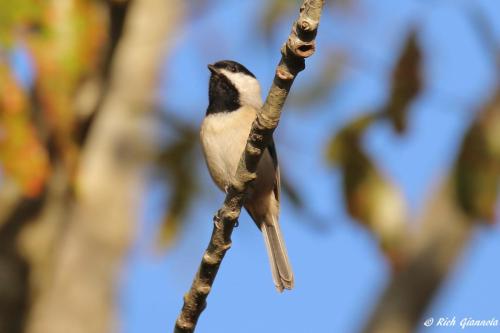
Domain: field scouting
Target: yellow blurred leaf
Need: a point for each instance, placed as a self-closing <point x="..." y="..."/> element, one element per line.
<point x="16" y="16"/>
<point x="477" y="170"/>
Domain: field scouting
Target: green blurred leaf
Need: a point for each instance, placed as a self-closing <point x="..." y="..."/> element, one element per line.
<point x="477" y="170"/>
<point x="406" y="83"/>
<point x="177" y="165"/>
<point x="16" y="16"/>
<point x="345" y="151"/>
<point x="339" y="147"/>
<point x="369" y="196"/>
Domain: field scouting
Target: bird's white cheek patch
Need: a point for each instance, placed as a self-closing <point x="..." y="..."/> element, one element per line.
<point x="247" y="86"/>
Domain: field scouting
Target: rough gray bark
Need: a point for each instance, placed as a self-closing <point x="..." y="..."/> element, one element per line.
<point x="300" y="44"/>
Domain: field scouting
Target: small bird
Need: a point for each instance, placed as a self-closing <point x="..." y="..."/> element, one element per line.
<point x="234" y="98"/>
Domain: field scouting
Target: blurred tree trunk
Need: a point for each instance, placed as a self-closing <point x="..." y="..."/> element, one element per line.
<point x="468" y="197"/>
<point x="445" y="233"/>
<point x="85" y="219"/>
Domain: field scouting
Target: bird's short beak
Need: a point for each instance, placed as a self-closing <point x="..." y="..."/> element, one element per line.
<point x="213" y="69"/>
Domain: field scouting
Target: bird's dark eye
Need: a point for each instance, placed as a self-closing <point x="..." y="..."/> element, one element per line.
<point x="232" y="69"/>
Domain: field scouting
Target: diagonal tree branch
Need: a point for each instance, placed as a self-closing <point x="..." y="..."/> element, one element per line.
<point x="300" y="45"/>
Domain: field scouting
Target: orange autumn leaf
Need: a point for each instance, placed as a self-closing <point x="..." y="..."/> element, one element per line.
<point x="67" y="50"/>
<point x="22" y="156"/>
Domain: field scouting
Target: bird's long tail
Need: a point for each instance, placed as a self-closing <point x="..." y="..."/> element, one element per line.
<point x="276" y="250"/>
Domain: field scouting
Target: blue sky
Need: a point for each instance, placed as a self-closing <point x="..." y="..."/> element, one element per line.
<point x="339" y="269"/>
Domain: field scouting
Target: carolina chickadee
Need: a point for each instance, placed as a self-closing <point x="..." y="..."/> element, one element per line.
<point x="234" y="98"/>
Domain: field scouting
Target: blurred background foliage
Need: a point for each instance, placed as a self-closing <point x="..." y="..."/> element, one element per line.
<point x="55" y="67"/>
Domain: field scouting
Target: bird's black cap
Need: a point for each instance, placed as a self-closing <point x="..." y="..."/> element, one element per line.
<point x="231" y="66"/>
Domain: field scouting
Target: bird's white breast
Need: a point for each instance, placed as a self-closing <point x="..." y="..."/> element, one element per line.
<point x="223" y="138"/>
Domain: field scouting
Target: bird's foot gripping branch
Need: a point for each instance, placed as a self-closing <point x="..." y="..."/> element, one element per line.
<point x="300" y="45"/>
